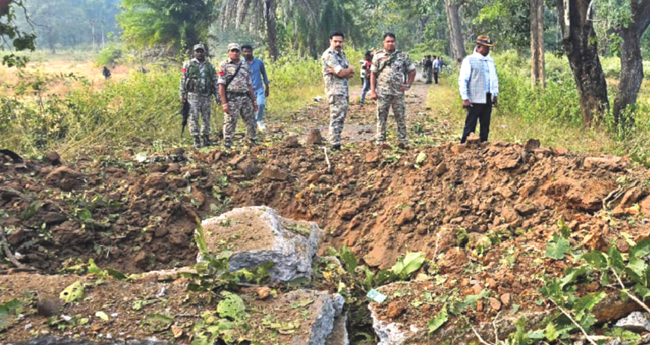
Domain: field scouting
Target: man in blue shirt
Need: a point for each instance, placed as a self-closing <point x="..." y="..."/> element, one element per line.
<point x="258" y="74"/>
<point x="479" y="87"/>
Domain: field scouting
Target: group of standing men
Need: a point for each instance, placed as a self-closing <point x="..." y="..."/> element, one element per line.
<point x="391" y="74"/>
<point x="240" y="86"/>
<point x="431" y="66"/>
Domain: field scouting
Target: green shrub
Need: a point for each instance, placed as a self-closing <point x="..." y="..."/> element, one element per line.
<point x="109" y="55"/>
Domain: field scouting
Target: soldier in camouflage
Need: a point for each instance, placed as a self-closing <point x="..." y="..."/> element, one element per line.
<point x="236" y="90"/>
<point x="198" y="84"/>
<point x="387" y="84"/>
<point x="336" y="72"/>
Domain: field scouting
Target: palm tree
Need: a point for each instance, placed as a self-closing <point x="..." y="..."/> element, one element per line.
<point x="310" y="19"/>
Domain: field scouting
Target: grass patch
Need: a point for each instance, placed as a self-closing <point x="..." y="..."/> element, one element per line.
<point x="552" y="116"/>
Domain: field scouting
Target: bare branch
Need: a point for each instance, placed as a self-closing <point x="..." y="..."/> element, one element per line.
<point x="566" y="313"/>
<point x="479" y="337"/>
<point x="631" y="296"/>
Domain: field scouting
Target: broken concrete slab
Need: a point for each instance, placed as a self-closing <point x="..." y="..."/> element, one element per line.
<point x="257" y="235"/>
<point x="636" y="322"/>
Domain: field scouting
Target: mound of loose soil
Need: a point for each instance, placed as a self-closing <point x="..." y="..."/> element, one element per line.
<point x="141" y="216"/>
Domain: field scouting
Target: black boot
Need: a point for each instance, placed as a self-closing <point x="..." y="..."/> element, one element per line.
<point x="197" y="142"/>
<point x="336" y="147"/>
<point x="207" y="141"/>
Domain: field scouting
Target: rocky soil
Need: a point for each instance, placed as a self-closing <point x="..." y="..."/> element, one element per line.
<point x="482" y="212"/>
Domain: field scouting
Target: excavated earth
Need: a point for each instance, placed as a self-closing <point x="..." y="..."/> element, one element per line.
<point x="138" y="214"/>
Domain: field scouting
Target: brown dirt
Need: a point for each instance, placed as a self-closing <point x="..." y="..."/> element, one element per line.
<point x="137" y="217"/>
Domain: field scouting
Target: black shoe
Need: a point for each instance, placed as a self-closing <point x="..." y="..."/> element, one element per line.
<point x="227" y="145"/>
<point x="403" y="146"/>
<point x="207" y="141"/>
<point x="336" y="147"/>
<point x="197" y="142"/>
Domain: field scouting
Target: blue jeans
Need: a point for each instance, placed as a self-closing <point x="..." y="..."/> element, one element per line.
<point x="261" y="103"/>
<point x="366" y="88"/>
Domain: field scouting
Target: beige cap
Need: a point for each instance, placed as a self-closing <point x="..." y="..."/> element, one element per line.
<point x="232" y="46"/>
<point x="199" y="46"/>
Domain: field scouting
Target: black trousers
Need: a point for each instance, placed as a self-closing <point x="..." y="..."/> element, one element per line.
<point x="481" y="113"/>
<point x="435" y="77"/>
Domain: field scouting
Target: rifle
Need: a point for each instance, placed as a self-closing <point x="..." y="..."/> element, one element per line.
<point x="185" y="112"/>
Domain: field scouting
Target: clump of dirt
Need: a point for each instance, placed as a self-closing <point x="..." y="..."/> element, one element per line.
<point x="138" y="216"/>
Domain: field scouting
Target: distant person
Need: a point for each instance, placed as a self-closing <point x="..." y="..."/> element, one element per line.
<point x="366" y="63"/>
<point x="390" y="68"/>
<point x="258" y="75"/>
<point x="479" y="87"/>
<point x="238" y="96"/>
<point x="436" y="68"/>
<point x="428" y="65"/>
<point x="198" y="84"/>
<point x="106" y="73"/>
<point x="336" y="72"/>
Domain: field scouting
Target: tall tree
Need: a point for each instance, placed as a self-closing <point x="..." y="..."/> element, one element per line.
<point x="537" y="43"/>
<point x="176" y="23"/>
<point x="455" y="31"/>
<point x="581" y="48"/>
<point x="270" y="18"/>
<point x="631" y="59"/>
<point x="11" y="36"/>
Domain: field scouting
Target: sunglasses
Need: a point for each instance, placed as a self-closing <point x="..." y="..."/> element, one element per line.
<point x="234" y="50"/>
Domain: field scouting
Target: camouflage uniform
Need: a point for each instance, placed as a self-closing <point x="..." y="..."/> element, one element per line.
<point x="239" y="100"/>
<point x="391" y="71"/>
<point x="198" y="83"/>
<point x="337" y="90"/>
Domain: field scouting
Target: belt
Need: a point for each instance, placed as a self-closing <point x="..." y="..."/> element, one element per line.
<point x="242" y="94"/>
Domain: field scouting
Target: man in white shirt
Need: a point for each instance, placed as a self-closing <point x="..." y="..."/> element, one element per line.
<point x="479" y="88"/>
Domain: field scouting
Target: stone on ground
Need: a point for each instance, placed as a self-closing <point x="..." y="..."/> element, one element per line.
<point x="635" y="322"/>
<point x="257" y="235"/>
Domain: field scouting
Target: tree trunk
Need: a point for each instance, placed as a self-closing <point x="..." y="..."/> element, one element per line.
<point x="537" y="43"/>
<point x="50" y="39"/>
<point x="270" y="7"/>
<point x="631" y="60"/>
<point x="580" y="45"/>
<point x="103" y="35"/>
<point x="455" y="33"/>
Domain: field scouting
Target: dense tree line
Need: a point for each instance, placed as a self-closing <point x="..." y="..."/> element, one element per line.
<point x="582" y="30"/>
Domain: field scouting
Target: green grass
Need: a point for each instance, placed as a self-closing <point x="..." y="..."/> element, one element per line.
<point x="551" y="116"/>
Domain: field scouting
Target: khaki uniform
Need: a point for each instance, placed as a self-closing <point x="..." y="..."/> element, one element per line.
<point x="392" y="71"/>
<point x="198" y="83"/>
<point x="337" y="90"/>
<point x="239" y="100"/>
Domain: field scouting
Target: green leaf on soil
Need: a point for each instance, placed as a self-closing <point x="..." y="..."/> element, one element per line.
<point x="232" y="306"/>
<point x="596" y="259"/>
<point x="615" y="258"/>
<point x="641" y="249"/>
<point x="550" y="332"/>
<point x="73" y="293"/>
<point x="158" y="322"/>
<point x="572" y="274"/>
<point x="439" y="320"/>
<point x="420" y="158"/>
<point x="410" y="263"/>
<point x="349" y="259"/>
<point x="7" y="309"/>
<point x="557" y="247"/>
<point x="102" y="315"/>
<point x="116" y="274"/>
<point x="93" y="268"/>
